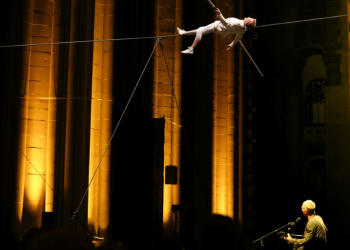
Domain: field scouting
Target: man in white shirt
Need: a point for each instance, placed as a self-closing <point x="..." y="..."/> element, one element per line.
<point x="223" y="27"/>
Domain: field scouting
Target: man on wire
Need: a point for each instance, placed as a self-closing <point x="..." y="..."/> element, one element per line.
<point x="223" y="27"/>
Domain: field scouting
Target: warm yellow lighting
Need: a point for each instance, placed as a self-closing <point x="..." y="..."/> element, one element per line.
<point x="37" y="126"/>
<point x="32" y="204"/>
<point x="101" y="120"/>
<point x="33" y="193"/>
<point x="223" y="131"/>
<point x="19" y="212"/>
<point x="163" y="105"/>
<point x="167" y="204"/>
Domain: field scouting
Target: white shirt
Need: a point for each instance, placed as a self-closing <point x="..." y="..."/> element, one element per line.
<point x="231" y="25"/>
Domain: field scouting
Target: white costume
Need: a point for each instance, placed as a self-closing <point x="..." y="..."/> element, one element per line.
<point x="224" y="27"/>
<point x="231" y="25"/>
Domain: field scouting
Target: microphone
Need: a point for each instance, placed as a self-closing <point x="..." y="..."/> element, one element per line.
<point x="293" y="224"/>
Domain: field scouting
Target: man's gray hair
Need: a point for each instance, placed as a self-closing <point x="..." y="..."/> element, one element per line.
<point x="252" y="23"/>
<point x="310" y="205"/>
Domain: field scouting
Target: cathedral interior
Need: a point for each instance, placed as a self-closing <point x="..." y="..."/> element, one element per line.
<point x="109" y="130"/>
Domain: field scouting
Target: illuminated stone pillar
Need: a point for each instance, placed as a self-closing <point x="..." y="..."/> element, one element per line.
<point x="37" y="118"/>
<point x="101" y="119"/>
<point x="227" y="185"/>
<point x="224" y="115"/>
<point x="38" y="86"/>
<point x="167" y="17"/>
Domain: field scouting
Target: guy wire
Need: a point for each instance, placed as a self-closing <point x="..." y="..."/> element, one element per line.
<point x="132" y="94"/>
<point x="306" y="20"/>
<point x="159" y="37"/>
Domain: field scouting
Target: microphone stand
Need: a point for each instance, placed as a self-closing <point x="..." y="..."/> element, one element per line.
<point x="261" y="239"/>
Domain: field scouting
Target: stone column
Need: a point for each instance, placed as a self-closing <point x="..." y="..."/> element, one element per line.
<point x="101" y="119"/>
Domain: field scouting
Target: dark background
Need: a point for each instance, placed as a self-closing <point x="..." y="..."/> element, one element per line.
<point x="278" y="192"/>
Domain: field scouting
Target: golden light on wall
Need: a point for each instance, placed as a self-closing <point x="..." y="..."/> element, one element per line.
<point x="37" y="120"/>
<point x="223" y="131"/>
<point x="35" y="128"/>
<point x="163" y="103"/>
<point x="101" y="119"/>
<point x="33" y="193"/>
<point x="348" y="11"/>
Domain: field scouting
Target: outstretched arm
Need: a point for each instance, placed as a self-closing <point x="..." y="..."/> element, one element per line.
<point x="220" y="16"/>
<point x="237" y="38"/>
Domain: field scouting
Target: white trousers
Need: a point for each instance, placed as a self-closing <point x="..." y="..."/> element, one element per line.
<point x="205" y="30"/>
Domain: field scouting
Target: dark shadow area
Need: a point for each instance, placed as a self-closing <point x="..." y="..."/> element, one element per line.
<point x="218" y="232"/>
<point x="197" y="75"/>
<point x="138" y="145"/>
<point x="137" y="177"/>
<point x="11" y="12"/>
